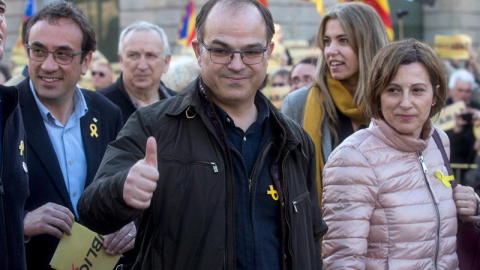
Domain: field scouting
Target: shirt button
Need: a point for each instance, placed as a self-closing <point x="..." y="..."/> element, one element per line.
<point x="74" y="194"/>
<point x="283" y="204"/>
<point x="244" y="138"/>
<point x="70" y="162"/>
<point x="228" y="120"/>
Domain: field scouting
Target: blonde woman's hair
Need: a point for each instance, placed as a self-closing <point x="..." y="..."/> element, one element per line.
<point x="366" y="34"/>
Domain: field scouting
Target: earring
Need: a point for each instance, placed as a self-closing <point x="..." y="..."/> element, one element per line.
<point x="433" y="104"/>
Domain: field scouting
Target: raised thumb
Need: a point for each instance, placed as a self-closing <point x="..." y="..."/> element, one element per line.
<point x="151" y="152"/>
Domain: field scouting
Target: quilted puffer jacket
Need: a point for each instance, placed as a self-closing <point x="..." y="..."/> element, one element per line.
<point x="383" y="204"/>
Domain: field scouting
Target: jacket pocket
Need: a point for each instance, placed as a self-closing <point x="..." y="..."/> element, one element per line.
<point x="301" y="202"/>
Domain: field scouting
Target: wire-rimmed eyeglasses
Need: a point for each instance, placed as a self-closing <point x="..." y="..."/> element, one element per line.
<point x="61" y="57"/>
<point x="225" y="56"/>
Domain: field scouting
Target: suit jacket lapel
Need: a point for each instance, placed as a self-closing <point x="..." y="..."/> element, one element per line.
<point x="39" y="141"/>
<point x="91" y="132"/>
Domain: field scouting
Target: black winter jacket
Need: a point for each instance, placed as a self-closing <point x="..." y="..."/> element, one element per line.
<point x="13" y="182"/>
<point x="190" y="223"/>
<point x="117" y="94"/>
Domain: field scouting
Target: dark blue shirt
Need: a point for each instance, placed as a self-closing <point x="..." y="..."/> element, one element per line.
<point x="257" y="204"/>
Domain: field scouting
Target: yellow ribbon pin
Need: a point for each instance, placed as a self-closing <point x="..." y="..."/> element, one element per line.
<point x="93" y="129"/>
<point x="21" y="147"/>
<point x="272" y="192"/>
<point x="446" y="179"/>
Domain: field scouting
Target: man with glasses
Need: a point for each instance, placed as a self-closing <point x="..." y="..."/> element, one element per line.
<point x="144" y="55"/>
<point x="102" y="74"/>
<point x="217" y="176"/>
<point x="68" y="129"/>
<point x="303" y="73"/>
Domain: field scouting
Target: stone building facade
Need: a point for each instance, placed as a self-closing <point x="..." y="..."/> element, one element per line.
<point x="299" y="19"/>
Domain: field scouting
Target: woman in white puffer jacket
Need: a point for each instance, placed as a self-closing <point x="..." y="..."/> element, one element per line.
<point x="384" y="206"/>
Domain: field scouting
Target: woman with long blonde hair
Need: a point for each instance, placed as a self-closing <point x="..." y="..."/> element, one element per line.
<point x="331" y="110"/>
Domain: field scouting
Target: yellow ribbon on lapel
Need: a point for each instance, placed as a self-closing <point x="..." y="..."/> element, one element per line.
<point x="446" y="179"/>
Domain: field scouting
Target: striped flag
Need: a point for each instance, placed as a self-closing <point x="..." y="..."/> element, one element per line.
<point x="30" y="9"/>
<point x="383" y="9"/>
<point x="19" y="56"/>
<point x="187" y="31"/>
<point x="264" y="2"/>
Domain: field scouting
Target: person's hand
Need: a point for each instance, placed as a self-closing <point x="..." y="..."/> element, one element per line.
<point x="121" y="241"/>
<point x="465" y="200"/>
<point x="459" y="122"/>
<point x="142" y="178"/>
<point x="49" y="218"/>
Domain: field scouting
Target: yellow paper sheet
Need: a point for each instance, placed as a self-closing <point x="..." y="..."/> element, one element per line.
<point x="445" y="120"/>
<point x="82" y="250"/>
<point x="453" y="46"/>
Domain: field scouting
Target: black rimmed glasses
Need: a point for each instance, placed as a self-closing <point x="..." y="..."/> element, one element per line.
<point x="99" y="73"/>
<point x="225" y="56"/>
<point x="61" y="57"/>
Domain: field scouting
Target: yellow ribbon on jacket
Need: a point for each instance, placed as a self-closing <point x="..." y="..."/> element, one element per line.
<point x="446" y="179"/>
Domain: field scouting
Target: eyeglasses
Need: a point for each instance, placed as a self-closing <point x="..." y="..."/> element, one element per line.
<point x="305" y="79"/>
<point x="224" y="56"/>
<point x="61" y="57"/>
<point x="100" y="73"/>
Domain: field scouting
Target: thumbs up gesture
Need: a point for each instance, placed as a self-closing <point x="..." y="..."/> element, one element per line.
<point x="142" y="178"/>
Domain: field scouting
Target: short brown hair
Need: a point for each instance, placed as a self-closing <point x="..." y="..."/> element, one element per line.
<point x="57" y="10"/>
<point x="385" y="66"/>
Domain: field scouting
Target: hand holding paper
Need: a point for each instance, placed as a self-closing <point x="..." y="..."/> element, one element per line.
<point x="49" y="218"/>
<point x="121" y="241"/>
<point x="142" y="178"/>
<point x="82" y="250"/>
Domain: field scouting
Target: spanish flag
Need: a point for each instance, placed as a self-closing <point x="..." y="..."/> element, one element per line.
<point x="264" y="2"/>
<point x="383" y="9"/>
<point x="187" y="32"/>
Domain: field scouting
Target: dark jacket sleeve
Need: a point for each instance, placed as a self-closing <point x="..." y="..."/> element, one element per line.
<point x="319" y="226"/>
<point x="101" y="206"/>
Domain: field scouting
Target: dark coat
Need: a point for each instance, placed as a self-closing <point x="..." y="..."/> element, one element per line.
<point x="118" y="95"/>
<point x="190" y="224"/>
<point x="13" y="182"/>
<point x="46" y="179"/>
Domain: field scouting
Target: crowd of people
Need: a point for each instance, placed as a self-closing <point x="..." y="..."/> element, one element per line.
<point x="212" y="175"/>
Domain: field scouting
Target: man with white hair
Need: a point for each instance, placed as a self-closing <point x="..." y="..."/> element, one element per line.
<point x="462" y="84"/>
<point x="144" y="56"/>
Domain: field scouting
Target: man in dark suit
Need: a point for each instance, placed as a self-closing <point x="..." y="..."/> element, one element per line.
<point x="68" y="130"/>
<point x="144" y="54"/>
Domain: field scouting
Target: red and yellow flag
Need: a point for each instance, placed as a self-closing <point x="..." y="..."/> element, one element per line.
<point x="319" y="5"/>
<point x="383" y="9"/>
<point x="264" y="2"/>
<point x="187" y="31"/>
<point x="19" y="55"/>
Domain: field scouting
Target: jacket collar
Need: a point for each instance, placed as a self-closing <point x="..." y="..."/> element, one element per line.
<point x="192" y="100"/>
<point x="383" y="131"/>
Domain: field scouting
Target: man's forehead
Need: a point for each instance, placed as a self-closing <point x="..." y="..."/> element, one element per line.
<point x="217" y="31"/>
<point x="150" y="32"/>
